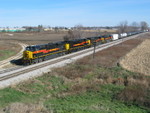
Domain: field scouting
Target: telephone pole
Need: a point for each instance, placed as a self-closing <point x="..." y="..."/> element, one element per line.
<point x="94" y="49"/>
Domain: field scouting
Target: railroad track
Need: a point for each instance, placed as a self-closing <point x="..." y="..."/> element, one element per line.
<point x="16" y="76"/>
<point x="10" y="69"/>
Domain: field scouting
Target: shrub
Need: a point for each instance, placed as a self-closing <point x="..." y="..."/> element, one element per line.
<point x="137" y="95"/>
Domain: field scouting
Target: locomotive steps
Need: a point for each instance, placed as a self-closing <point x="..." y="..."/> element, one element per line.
<point x="17" y="76"/>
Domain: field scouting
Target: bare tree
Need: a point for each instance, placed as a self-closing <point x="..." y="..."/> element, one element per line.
<point x="78" y="31"/>
<point x="70" y="35"/>
<point x="144" y="25"/>
<point x="134" y="26"/>
<point x="123" y="26"/>
<point x="66" y="38"/>
<point x="75" y="33"/>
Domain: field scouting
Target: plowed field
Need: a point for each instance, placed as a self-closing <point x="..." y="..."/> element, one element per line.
<point x="138" y="60"/>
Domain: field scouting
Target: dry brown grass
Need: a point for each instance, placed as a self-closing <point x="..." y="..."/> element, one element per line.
<point x="74" y="71"/>
<point x="24" y="108"/>
<point x="81" y="87"/>
<point x="138" y="60"/>
<point x="101" y="30"/>
<point x="26" y="87"/>
<point x="137" y="95"/>
<point x="138" y="80"/>
<point x="32" y="38"/>
<point x="7" y="45"/>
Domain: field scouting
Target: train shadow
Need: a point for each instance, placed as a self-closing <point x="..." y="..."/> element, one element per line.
<point x="17" y="62"/>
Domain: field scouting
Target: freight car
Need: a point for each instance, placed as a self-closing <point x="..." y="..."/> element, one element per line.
<point x="38" y="53"/>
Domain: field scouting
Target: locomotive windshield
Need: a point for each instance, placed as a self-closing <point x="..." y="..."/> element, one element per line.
<point x="30" y="48"/>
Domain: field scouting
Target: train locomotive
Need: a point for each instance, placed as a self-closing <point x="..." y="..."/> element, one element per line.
<point x="38" y="53"/>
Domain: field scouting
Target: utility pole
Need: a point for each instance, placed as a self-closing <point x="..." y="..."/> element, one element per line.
<point x="94" y="49"/>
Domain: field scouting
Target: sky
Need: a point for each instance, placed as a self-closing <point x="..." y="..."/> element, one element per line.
<point x="72" y="12"/>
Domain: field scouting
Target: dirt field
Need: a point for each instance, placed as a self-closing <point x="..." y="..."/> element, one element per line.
<point x="32" y="38"/>
<point x="45" y="37"/>
<point x="138" y="60"/>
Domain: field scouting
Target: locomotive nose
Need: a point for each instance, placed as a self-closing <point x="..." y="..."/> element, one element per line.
<point x="25" y="55"/>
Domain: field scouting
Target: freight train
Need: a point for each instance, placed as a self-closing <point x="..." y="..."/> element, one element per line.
<point x="38" y="53"/>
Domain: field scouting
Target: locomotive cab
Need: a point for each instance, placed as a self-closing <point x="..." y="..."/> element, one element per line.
<point x="28" y="54"/>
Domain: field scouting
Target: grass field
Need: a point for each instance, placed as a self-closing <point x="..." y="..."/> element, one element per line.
<point x="8" y="49"/>
<point x="6" y="54"/>
<point x="91" y="93"/>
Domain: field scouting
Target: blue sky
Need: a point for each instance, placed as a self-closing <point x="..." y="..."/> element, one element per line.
<point x="72" y="12"/>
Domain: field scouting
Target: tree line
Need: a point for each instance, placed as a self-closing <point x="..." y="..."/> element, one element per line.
<point x="78" y="30"/>
<point x="134" y="26"/>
